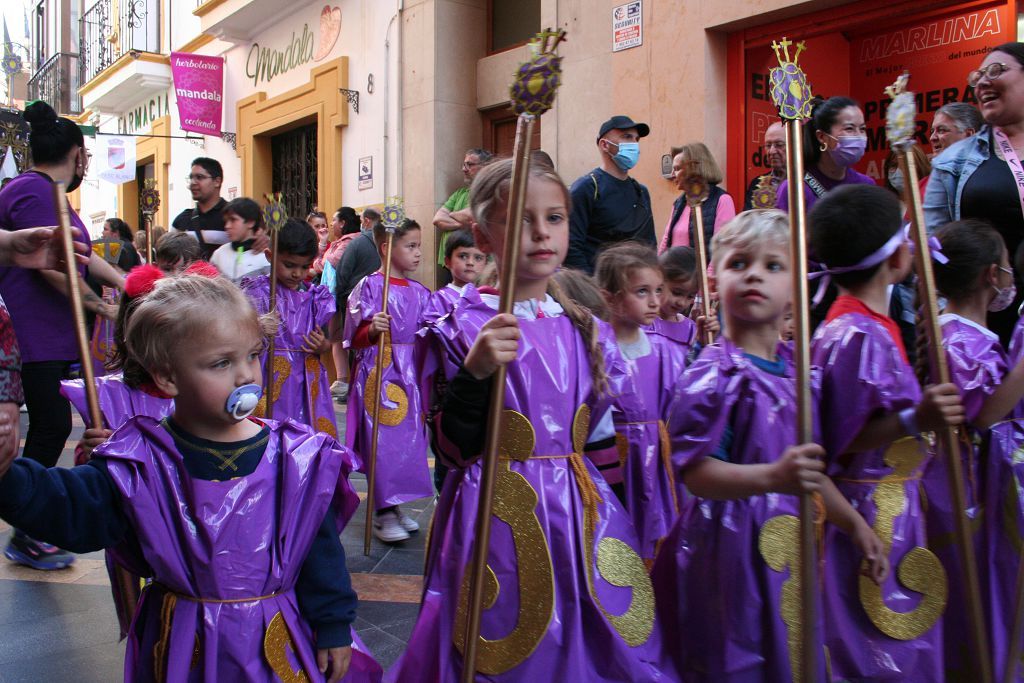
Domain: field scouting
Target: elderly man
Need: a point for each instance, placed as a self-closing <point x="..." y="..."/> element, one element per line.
<point x="454" y="213"/>
<point x="952" y="123"/>
<point x="608" y="205"/>
<point x="762" y="189"/>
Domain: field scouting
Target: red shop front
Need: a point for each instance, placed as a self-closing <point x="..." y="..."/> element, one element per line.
<point x="856" y="50"/>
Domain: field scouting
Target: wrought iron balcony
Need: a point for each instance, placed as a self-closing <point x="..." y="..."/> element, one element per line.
<point x="112" y="28"/>
<point x="56" y="83"/>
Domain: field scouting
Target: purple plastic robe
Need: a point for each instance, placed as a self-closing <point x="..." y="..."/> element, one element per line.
<point x="1003" y="534"/>
<point x="402" y="473"/>
<point x="725" y="575"/>
<point x="225" y="555"/>
<point x="652" y="496"/>
<point x="301" y="389"/>
<point x="977" y="365"/>
<point x="682" y="331"/>
<point x="889" y="632"/>
<point x="118" y="402"/>
<point x="571" y="597"/>
<point x="1016" y="348"/>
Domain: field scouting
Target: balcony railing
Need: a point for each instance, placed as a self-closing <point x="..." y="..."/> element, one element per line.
<point x="110" y="29"/>
<point x="56" y="83"/>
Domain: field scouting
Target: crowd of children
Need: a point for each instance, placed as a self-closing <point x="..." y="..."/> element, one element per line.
<point x="648" y="483"/>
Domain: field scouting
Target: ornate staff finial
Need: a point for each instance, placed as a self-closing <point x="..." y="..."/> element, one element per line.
<point x="788" y="83"/>
<point x="274" y="213"/>
<point x="393" y="214"/>
<point x="149" y="197"/>
<point x="695" y="186"/>
<point x="900" y="123"/>
<point x="537" y="80"/>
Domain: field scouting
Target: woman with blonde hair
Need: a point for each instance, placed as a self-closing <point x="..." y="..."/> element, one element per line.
<point x="718" y="208"/>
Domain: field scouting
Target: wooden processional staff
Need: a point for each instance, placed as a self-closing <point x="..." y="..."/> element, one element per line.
<point x="274" y="215"/>
<point x="533" y="93"/>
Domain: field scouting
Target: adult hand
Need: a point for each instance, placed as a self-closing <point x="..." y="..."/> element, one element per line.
<point x="39" y="248"/>
<point x="9" y="424"/>
<point x="339" y="658"/>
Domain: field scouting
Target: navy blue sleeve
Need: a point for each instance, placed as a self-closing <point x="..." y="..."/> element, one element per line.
<point x="578" y="256"/>
<point x="324" y="589"/>
<point x="461" y="426"/>
<point x="78" y="508"/>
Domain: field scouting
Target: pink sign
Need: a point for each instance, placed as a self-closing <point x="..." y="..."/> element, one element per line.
<point x="199" y="88"/>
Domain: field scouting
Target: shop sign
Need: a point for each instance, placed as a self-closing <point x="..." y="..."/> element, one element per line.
<point x="142" y="117"/>
<point x="115" y="156"/>
<point x="199" y="91"/>
<point x="938" y="51"/>
<point x="628" y="26"/>
<point x="265" y="63"/>
<point x="365" y="173"/>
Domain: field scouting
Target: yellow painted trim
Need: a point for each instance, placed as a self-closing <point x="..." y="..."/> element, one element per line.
<point x="258" y="119"/>
<point x="196" y="43"/>
<point x="207" y="7"/>
<point x="157" y="150"/>
<point x="82" y="118"/>
<point x="121" y="63"/>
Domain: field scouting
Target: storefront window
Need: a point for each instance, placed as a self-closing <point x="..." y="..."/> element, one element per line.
<point x="511" y="23"/>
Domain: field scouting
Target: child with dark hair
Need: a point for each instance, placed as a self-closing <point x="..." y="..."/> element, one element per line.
<point x="243" y="222"/>
<point x="679" y="269"/>
<point x="402" y="474"/>
<point x="975" y="280"/>
<point x="299" y="385"/>
<point x="872" y="414"/>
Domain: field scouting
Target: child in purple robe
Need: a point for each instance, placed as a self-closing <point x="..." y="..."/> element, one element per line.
<point x="235" y="519"/>
<point x="465" y="262"/>
<point x="872" y="412"/>
<point x="679" y="269"/>
<point x="631" y="282"/>
<point x="1016" y="348"/>
<point x="568" y="597"/>
<point x="300" y="388"/>
<point x="726" y="577"/>
<point x="978" y="279"/>
<point x="401" y="472"/>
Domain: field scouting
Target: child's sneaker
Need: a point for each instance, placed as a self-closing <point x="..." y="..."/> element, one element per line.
<point x="408" y="523"/>
<point x="32" y="553"/>
<point x="339" y="390"/>
<point x="387" y="528"/>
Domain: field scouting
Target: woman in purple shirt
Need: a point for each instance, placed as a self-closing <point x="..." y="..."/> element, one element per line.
<point x="834" y="141"/>
<point x="38" y="303"/>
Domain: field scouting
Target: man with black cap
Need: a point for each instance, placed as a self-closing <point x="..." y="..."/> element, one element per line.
<point x="607" y="205"/>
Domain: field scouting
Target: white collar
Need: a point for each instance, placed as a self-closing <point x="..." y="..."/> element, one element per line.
<point x="946" y="317"/>
<point x="528" y="309"/>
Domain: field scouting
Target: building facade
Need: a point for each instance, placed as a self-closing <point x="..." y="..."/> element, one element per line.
<point x="351" y="101"/>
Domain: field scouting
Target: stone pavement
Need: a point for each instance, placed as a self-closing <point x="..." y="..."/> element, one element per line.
<point x="61" y="626"/>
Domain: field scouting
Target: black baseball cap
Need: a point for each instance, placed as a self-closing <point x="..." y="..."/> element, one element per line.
<point x="622" y="123"/>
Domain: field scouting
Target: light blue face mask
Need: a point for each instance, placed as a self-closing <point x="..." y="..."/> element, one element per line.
<point x="628" y="155"/>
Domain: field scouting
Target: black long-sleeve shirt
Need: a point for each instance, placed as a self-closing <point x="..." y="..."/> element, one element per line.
<point x="80" y="509"/>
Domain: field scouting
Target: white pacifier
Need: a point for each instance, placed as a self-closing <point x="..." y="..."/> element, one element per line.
<point x="243" y="400"/>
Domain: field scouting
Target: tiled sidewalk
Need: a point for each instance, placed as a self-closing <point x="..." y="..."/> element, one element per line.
<point x="60" y="626"/>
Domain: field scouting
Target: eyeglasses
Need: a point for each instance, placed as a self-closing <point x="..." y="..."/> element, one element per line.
<point x="470" y="164"/>
<point x="197" y="178"/>
<point x="991" y="72"/>
<point x="775" y="145"/>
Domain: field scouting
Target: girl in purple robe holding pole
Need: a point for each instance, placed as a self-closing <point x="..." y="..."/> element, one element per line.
<point x="567" y="597"/>
<point x="235" y="519"/>
<point x="631" y="282"/>
<point x="402" y="473"/>
<point x="726" y="577"/>
<point x="976" y="280"/>
<point x="872" y="412"/>
<point x="301" y="390"/>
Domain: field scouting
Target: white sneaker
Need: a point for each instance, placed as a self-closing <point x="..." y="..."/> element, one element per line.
<point x="339" y="390"/>
<point x="387" y="528"/>
<point x="408" y="523"/>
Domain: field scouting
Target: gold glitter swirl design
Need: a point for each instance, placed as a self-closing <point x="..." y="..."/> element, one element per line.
<point x="276" y="643"/>
<point x="622" y="446"/>
<point x="1011" y="507"/>
<point x="919" y="570"/>
<point x="164" y="642"/>
<point x="324" y="424"/>
<point x="517" y="436"/>
<point x="282" y="371"/>
<point x="515" y="504"/>
<point x="617" y="562"/>
<point x="392" y="417"/>
<point x="779" y="543"/>
<point x="665" y="442"/>
<point x="313" y="373"/>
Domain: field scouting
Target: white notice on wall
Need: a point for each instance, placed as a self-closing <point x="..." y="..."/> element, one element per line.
<point x="628" y="26"/>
